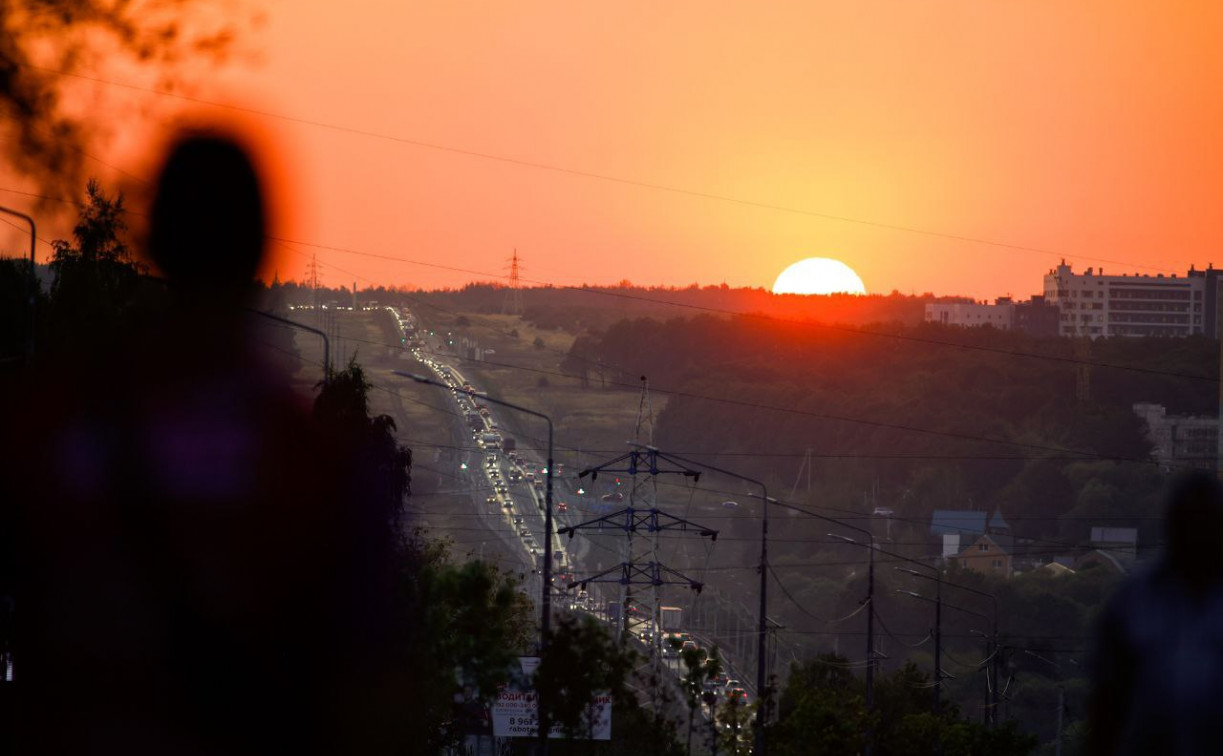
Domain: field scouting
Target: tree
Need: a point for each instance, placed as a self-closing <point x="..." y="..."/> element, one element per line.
<point x="44" y="42"/>
<point x="381" y="469"/>
<point x="699" y="667"/>
<point x="96" y="277"/>
<point x="581" y="661"/>
<point x="456" y="623"/>
<point x="822" y="711"/>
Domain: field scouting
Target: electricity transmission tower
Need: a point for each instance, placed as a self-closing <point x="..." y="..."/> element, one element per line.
<point x="640" y="566"/>
<point x="513" y="296"/>
<point x="1082" y="386"/>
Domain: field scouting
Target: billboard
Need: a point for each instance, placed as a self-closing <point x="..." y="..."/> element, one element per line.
<point x="515" y="711"/>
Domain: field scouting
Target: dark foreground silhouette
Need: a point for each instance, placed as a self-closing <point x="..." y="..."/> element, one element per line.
<point x="1158" y="671"/>
<point x="188" y="571"/>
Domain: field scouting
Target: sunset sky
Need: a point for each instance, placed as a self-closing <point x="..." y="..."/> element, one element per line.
<point x="1086" y="129"/>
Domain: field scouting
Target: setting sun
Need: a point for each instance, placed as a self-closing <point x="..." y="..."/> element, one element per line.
<point x="819" y="275"/>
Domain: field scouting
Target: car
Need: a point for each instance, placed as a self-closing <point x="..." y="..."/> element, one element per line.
<point x="731" y="504"/>
<point x="688" y="646"/>
<point x="613" y="496"/>
<point x="732" y="683"/>
<point x="492" y="499"/>
<point x="562" y="506"/>
<point x="508" y="505"/>
<point x="517" y="520"/>
<point x="526" y="534"/>
<point x="883" y="512"/>
<point x="736" y="695"/>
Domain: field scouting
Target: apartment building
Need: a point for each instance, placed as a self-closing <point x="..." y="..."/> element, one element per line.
<point x="1093" y="304"/>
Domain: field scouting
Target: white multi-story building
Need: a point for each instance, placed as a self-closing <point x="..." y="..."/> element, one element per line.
<point x="1092" y="304"/>
<point x="969" y="314"/>
<point x="1034" y="317"/>
<point x="1180" y="440"/>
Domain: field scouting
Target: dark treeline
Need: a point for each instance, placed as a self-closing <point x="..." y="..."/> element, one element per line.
<point x="867" y="399"/>
<point x="586" y="308"/>
<point x="913" y="419"/>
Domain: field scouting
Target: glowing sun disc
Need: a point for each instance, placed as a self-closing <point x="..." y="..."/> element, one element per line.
<point x="819" y="275"/>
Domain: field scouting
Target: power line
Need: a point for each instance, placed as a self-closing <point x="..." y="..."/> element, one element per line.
<point x="607" y="292"/>
<point x="1086" y="455"/>
<point x="1071" y="360"/>
<point x="555" y="168"/>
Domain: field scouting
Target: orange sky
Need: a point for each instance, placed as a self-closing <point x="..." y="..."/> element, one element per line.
<point x="1087" y="128"/>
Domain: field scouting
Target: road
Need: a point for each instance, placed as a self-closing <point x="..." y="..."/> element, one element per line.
<point x="507" y="489"/>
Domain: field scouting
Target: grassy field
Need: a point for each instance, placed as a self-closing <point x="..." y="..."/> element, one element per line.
<point x="595" y="421"/>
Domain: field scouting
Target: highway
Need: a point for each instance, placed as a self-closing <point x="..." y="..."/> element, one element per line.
<point x="507" y="488"/>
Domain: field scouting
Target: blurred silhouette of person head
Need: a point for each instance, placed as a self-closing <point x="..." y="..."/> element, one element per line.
<point x="1158" y="657"/>
<point x="208" y="219"/>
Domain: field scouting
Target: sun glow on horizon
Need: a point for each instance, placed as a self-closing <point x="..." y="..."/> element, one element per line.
<point x="819" y="275"/>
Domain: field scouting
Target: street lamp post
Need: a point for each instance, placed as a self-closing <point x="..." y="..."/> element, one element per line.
<point x="545" y="620"/>
<point x="545" y="609"/>
<point x="33" y="272"/>
<point x="304" y="327"/>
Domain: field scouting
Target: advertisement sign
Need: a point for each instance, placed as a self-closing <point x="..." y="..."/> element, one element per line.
<point x="515" y="711"/>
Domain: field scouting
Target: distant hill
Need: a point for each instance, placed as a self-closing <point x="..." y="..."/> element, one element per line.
<point x="594" y="308"/>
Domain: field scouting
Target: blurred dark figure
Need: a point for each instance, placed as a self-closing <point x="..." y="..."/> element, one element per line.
<point x="1158" y="670"/>
<point x="192" y="574"/>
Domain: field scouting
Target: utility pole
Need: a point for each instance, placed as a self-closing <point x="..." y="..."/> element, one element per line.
<point x="1061" y="709"/>
<point x="938" y="649"/>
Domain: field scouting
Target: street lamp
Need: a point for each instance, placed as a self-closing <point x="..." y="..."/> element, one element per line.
<point x="545" y="608"/>
<point x="33" y="271"/>
<point x="545" y="622"/>
<point x="304" y="327"/>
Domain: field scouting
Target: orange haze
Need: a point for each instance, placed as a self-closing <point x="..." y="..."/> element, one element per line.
<point x="1089" y="129"/>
